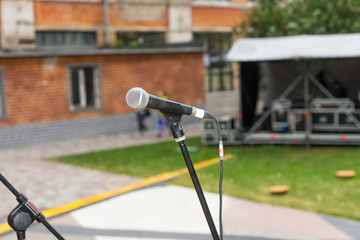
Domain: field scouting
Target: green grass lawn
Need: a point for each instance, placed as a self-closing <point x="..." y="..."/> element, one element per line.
<point x="310" y="173"/>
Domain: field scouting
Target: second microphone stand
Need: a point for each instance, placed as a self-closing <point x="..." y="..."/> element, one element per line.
<point x="25" y="213"/>
<point x="179" y="136"/>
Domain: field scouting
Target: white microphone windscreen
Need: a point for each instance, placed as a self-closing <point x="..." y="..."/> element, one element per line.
<point x="137" y="98"/>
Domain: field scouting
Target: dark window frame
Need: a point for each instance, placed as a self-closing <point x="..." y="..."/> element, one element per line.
<point x="137" y="39"/>
<point x="219" y="72"/>
<point x="80" y="87"/>
<point x="66" y="39"/>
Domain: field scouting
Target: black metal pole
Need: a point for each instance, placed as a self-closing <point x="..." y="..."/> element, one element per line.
<point x="52" y="230"/>
<point x="178" y="134"/>
<point x="20" y="235"/>
<point x="198" y="189"/>
<point x="9" y="186"/>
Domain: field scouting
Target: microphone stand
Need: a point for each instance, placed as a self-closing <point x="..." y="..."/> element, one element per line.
<point x="23" y="215"/>
<point x="178" y="134"/>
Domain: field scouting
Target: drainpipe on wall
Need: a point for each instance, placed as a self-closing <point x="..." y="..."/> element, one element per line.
<point x="106" y="22"/>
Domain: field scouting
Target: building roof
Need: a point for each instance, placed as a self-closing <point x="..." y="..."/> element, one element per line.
<point x="295" y="47"/>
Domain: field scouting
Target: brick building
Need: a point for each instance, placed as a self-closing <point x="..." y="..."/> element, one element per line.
<point x="65" y="66"/>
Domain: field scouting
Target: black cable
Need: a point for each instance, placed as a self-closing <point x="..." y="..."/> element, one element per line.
<point x="221" y="155"/>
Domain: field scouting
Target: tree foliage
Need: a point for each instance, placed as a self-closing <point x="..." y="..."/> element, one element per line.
<point x="269" y="18"/>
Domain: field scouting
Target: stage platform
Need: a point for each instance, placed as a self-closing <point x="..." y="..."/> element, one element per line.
<point x="302" y="138"/>
<point x="232" y="137"/>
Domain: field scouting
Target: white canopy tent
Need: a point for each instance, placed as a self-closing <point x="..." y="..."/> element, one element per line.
<point x="295" y="48"/>
<point x="338" y="53"/>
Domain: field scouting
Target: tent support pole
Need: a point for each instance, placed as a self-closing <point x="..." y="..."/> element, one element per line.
<point x="240" y="113"/>
<point x="267" y="113"/>
<point x="307" y="109"/>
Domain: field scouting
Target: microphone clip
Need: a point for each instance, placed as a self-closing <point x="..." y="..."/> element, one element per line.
<point x="174" y="124"/>
<point x="22" y="216"/>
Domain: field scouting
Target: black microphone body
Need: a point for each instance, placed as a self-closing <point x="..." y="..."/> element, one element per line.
<point x="137" y="98"/>
<point x="167" y="106"/>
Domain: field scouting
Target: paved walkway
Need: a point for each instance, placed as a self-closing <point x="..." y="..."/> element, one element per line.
<point x="159" y="212"/>
<point x="49" y="184"/>
<point x="166" y="212"/>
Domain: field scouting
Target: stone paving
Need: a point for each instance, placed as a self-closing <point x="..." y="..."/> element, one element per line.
<point x="49" y="184"/>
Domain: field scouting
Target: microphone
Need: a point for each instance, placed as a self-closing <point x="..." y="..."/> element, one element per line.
<point x="138" y="98"/>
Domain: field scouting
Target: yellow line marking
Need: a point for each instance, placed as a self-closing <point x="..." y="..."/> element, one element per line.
<point x="4" y="228"/>
<point x="125" y="189"/>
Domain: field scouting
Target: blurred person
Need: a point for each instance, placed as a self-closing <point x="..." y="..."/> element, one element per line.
<point x="338" y="90"/>
<point x="162" y="122"/>
<point x="141" y="115"/>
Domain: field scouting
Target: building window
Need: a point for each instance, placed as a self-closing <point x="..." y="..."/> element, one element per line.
<point x="136" y="39"/>
<point x="65" y="38"/>
<point x="2" y="96"/>
<point x="84" y="88"/>
<point x="219" y="74"/>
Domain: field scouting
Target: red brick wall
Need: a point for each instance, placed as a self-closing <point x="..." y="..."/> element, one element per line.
<point x="131" y="16"/>
<point x="35" y="93"/>
<point x="215" y="17"/>
<point x="81" y="15"/>
<point x="65" y="14"/>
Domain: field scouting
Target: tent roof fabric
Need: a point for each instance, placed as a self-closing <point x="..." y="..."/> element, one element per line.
<point x="295" y="47"/>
